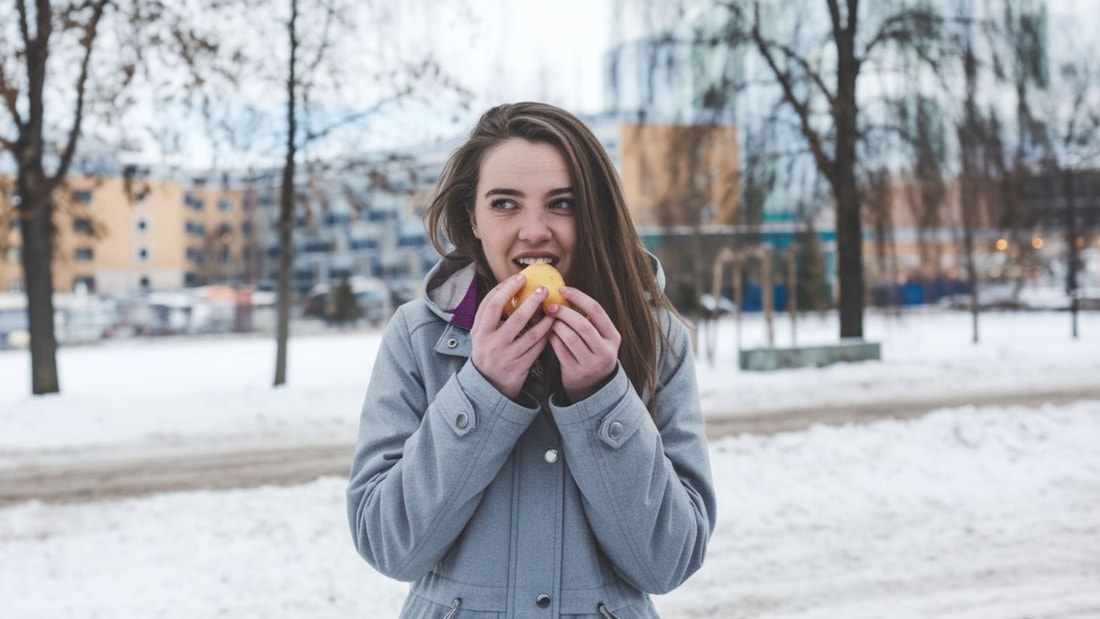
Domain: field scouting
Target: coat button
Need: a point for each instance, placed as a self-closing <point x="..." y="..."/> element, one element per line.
<point x="615" y="430"/>
<point x="452" y="343"/>
<point x="542" y="601"/>
<point x="551" y="455"/>
<point x="462" y="420"/>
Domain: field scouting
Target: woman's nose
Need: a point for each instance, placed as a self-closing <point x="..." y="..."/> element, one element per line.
<point x="533" y="229"/>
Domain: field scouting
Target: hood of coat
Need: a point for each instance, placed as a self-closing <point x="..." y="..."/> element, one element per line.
<point x="455" y="300"/>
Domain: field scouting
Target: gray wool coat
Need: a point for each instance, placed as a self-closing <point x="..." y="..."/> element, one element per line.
<point x="494" y="507"/>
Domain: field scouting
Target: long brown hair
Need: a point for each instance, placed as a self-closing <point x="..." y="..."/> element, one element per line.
<point x="609" y="262"/>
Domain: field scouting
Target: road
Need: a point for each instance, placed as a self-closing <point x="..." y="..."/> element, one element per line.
<point x="89" y="476"/>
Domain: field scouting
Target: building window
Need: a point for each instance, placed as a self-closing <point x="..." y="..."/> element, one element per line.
<point x="317" y="247"/>
<point x="82" y="196"/>
<point x="193" y="202"/>
<point x="142" y="254"/>
<point x="224" y="205"/>
<point x="85" y="284"/>
<point x="84" y="254"/>
<point x="82" y="225"/>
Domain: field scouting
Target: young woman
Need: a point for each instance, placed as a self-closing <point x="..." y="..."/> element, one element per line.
<point x="553" y="463"/>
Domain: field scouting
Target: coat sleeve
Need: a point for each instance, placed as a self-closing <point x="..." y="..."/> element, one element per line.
<point x="422" y="463"/>
<point x="646" y="485"/>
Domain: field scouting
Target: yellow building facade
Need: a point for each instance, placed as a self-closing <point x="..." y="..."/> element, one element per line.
<point x="121" y="235"/>
<point x="680" y="175"/>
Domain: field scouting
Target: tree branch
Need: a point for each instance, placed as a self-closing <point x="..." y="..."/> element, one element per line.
<point x="901" y="27"/>
<point x="801" y="108"/>
<point x="10" y="95"/>
<point x="834" y="16"/>
<point x="24" y="27"/>
<point x="326" y="42"/>
<point x="349" y="119"/>
<point x="815" y="76"/>
<point x="87" y="41"/>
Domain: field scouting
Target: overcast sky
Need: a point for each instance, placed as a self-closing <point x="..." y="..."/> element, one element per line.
<point x="549" y="50"/>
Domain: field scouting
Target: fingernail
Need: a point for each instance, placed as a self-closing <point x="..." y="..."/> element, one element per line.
<point x="541" y="291"/>
<point x="553" y="309"/>
<point x="519" y="277"/>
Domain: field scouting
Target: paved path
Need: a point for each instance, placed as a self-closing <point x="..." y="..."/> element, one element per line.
<point x="95" y="475"/>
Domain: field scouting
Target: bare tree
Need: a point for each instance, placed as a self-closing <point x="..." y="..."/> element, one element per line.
<point x="834" y="135"/>
<point x="879" y="199"/>
<point x="315" y="67"/>
<point x="51" y="80"/>
<point x="1074" y="144"/>
<point x="969" y="183"/>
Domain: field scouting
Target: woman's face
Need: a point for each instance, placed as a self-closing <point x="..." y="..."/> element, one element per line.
<point x="523" y="211"/>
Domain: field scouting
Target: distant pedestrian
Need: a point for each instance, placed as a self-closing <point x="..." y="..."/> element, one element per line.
<point x="553" y="463"/>
<point x="345" y="307"/>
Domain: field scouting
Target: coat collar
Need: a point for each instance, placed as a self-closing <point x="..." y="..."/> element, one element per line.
<point x="456" y="299"/>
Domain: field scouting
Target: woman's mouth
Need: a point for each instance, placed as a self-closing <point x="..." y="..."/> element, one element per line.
<point x="526" y="262"/>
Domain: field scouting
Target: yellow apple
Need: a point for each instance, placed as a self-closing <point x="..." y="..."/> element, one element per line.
<point x="538" y="274"/>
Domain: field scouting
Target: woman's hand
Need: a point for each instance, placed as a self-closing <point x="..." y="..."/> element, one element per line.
<point x="504" y="350"/>
<point x="587" y="345"/>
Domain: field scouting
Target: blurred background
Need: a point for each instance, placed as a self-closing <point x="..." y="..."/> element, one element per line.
<point x="186" y="185"/>
<point x="244" y="166"/>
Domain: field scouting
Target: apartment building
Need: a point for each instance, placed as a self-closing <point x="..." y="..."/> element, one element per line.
<point x="133" y="233"/>
<point x="680" y="175"/>
<point x="357" y="220"/>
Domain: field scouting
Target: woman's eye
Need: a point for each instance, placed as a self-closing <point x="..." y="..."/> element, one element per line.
<point x="503" y="204"/>
<point x="563" y="204"/>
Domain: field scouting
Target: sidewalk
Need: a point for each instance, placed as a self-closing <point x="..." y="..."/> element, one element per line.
<point x="96" y="474"/>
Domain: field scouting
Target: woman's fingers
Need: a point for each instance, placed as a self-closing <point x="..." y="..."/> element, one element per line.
<point x="593" y="312"/>
<point x="494" y="301"/>
<point x="504" y="350"/>
<point x="587" y="345"/>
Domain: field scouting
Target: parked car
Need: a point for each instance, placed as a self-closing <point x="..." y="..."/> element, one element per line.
<point x="372" y="297"/>
<point x="14" y="331"/>
<point x="717" y="308"/>
<point x="77" y="319"/>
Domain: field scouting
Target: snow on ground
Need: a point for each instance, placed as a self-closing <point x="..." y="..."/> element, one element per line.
<point x="964" y="513"/>
<point x="960" y="514"/>
<point x="155" y="393"/>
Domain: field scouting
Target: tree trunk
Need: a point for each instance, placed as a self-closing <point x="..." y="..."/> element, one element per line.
<point x="286" y="209"/>
<point x="36" y="208"/>
<point x="1072" y="254"/>
<point x="849" y="241"/>
<point x="968" y="145"/>
<point x="849" y="223"/>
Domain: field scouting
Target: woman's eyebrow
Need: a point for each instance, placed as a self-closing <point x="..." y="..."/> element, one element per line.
<point x="504" y="191"/>
<point x="507" y="191"/>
